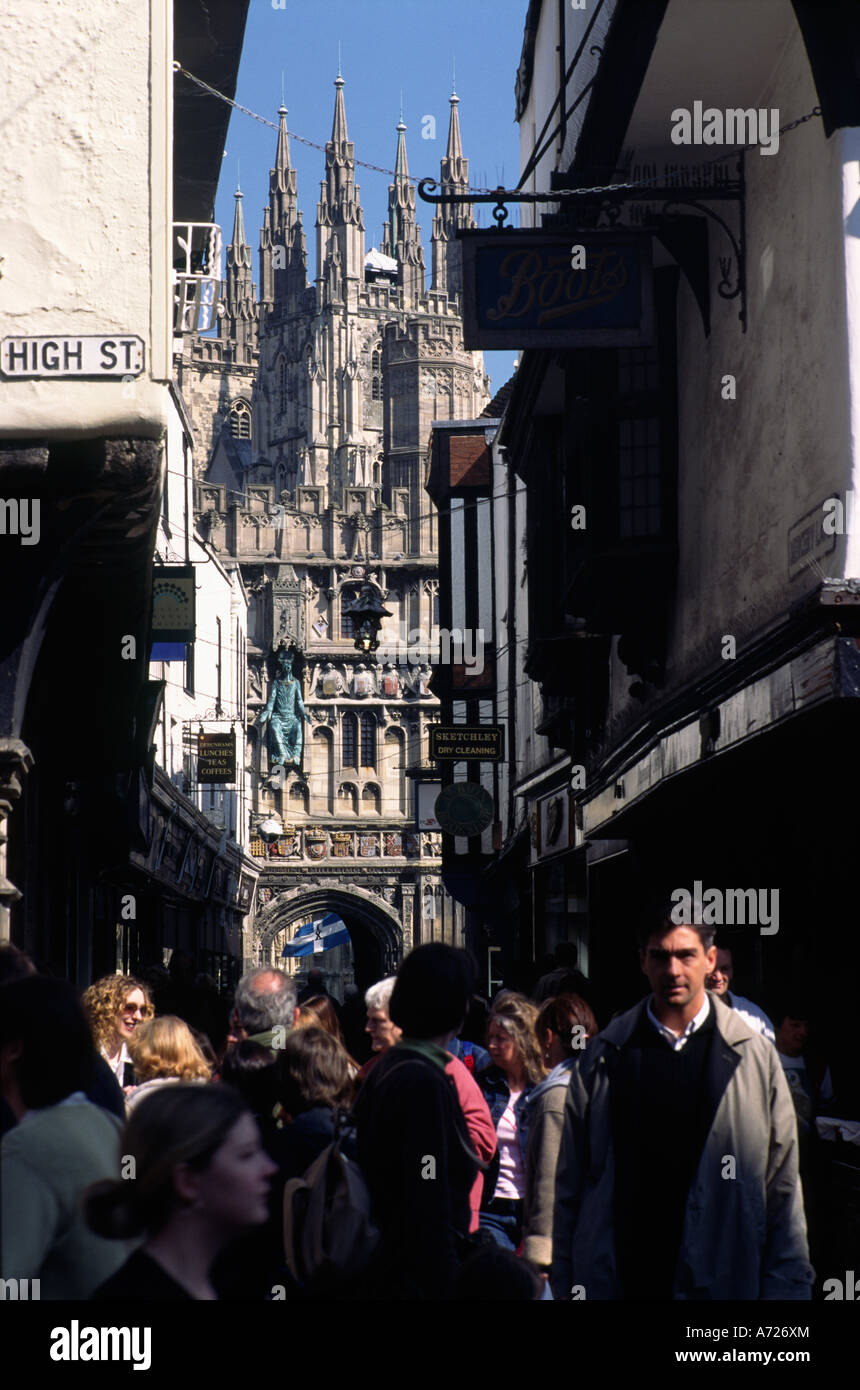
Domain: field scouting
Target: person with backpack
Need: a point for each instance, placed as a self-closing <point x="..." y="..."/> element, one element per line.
<point x="473" y="1057"/>
<point x="307" y="1082"/>
<point x="412" y="1142"/>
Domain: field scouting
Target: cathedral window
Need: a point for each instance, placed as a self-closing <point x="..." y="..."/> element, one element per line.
<point x="368" y="740"/>
<point x="347" y="597"/>
<point x="240" y="420"/>
<point x="349" y="741"/>
<point x="376" y="375"/>
<point x="282" y="386"/>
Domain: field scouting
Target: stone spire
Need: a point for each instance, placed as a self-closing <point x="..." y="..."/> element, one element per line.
<point x="283" y="253"/>
<point x="339" y="132"/>
<point x="239" y="322"/>
<point x="447" y="252"/>
<point x="401" y="236"/>
<point x="339" y="215"/>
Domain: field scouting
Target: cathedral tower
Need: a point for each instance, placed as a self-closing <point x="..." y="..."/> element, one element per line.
<point x="401" y="237"/>
<point x="447" y="252"/>
<point x="239" y="321"/>
<point x="283" y="253"/>
<point x="351" y="370"/>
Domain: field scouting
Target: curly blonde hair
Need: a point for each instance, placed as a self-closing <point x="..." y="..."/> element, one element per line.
<point x="165" y="1047"/>
<point x="103" y="1001"/>
<point x="518" y="1016"/>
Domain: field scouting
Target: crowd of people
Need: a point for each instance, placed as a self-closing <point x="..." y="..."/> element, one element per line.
<point x="482" y="1150"/>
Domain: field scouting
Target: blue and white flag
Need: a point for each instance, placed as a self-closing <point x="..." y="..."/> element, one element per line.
<point x="320" y="935"/>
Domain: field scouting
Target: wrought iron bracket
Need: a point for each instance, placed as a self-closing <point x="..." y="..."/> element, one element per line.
<point x="666" y="200"/>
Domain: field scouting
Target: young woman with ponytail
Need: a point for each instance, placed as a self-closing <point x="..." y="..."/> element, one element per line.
<point x="194" y="1175"/>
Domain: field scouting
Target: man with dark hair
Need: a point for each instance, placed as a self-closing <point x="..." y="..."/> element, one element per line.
<point x="315" y="985"/>
<point x="809" y="1084"/>
<point x="564" y="977"/>
<point x="719" y="980"/>
<point x="61" y="1143"/>
<point x="413" y="1144"/>
<point x="15" y="964"/>
<point x="677" y="1176"/>
<point x="103" y="1088"/>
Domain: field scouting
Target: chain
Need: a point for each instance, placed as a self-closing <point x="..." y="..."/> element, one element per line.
<point x="558" y="193"/>
<point x="801" y="120"/>
<point x="177" y="67"/>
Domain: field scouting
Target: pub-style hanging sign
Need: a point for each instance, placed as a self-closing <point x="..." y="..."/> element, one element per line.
<point x="173" y="603"/>
<point x="216" y="758"/>
<point x="557" y="289"/>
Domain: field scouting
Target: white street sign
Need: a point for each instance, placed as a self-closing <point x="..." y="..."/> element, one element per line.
<point x="119" y="355"/>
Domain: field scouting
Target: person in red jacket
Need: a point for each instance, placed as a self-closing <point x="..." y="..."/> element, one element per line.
<point x="479" y="1123"/>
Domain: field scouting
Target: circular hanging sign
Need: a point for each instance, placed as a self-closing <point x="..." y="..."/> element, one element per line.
<point x="464" y="808"/>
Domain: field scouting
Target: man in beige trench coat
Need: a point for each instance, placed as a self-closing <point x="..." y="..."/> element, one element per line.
<point x="677" y="1175"/>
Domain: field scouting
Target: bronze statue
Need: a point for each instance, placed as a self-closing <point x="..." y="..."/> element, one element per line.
<point x="284" y="712"/>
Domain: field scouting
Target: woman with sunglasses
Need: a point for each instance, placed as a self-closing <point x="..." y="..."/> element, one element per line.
<point x="115" y="1006"/>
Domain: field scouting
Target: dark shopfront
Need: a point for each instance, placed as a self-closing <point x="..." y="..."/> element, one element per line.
<point x="91" y="905"/>
<point x="770" y="815"/>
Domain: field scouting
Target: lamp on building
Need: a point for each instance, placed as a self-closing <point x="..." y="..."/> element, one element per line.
<point x="366" y="613"/>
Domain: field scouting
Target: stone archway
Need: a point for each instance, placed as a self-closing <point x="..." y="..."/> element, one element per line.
<point x="379" y="941"/>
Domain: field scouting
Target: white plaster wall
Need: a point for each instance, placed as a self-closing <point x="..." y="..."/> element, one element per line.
<point x="85" y="218"/>
<point x="219" y="594"/>
<point x="544" y="88"/>
<point x="750" y="468"/>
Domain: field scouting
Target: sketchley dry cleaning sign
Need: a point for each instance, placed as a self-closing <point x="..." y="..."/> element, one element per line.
<point x="540" y="289"/>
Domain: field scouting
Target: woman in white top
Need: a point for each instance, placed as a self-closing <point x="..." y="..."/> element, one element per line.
<point x="515" y="1069"/>
<point x="115" y="1006"/>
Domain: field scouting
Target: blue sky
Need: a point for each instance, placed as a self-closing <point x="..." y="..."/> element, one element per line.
<point x="386" y="46"/>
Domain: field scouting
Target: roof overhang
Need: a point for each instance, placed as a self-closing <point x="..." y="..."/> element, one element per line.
<point x="824" y="673"/>
<point x="663" y="54"/>
<point x="207" y="40"/>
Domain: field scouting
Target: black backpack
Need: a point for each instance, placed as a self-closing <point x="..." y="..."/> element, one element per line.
<point x="330" y="1235"/>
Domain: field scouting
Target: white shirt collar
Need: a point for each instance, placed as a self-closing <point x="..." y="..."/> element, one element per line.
<point x="118" y="1067"/>
<point x="676" y="1041"/>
